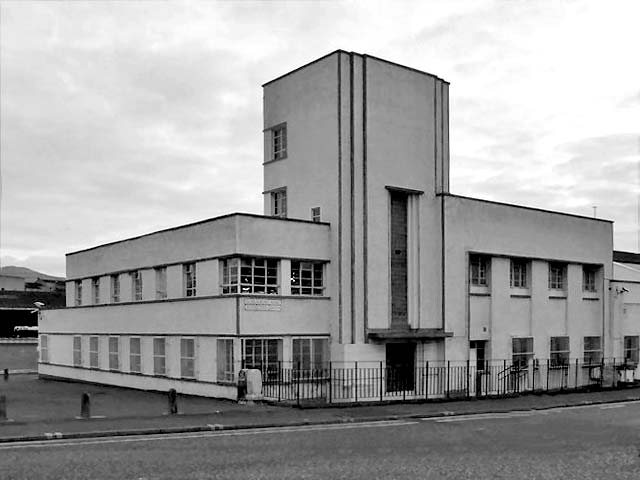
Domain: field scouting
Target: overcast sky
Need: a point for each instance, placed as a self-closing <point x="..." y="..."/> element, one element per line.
<point x="121" y="118"/>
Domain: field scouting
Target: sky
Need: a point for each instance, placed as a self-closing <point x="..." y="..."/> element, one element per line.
<point x="122" y="118"/>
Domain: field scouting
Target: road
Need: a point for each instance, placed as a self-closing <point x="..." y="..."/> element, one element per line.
<point x="595" y="442"/>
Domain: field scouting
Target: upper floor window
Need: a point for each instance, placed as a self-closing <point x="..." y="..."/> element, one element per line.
<point x="478" y="270"/>
<point x="279" y="142"/>
<point x="189" y="270"/>
<point x="161" y="283"/>
<point x="518" y="276"/>
<point x="250" y="275"/>
<point x="95" y="290"/>
<point x="315" y="214"/>
<point x="136" y="285"/>
<point x="115" y="288"/>
<point x="306" y="278"/>
<point x="78" y="292"/>
<point x="279" y="203"/>
<point x="588" y="278"/>
<point x="556" y="276"/>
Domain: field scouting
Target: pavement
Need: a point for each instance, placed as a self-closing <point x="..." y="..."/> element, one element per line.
<point x="39" y="409"/>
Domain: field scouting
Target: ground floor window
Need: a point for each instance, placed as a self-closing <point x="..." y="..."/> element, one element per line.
<point x="44" y="348"/>
<point x="559" y="352"/>
<point x="94" y="354"/>
<point x="114" y="353"/>
<point x="225" y="360"/>
<point x="480" y="346"/>
<point x="262" y="353"/>
<point x="77" y="351"/>
<point x="631" y="347"/>
<point x="522" y="352"/>
<point x="135" y="355"/>
<point x="592" y="350"/>
<point x="310" y="353"/>
<point x="159" y="359"/>
<point x="187" y="357"/>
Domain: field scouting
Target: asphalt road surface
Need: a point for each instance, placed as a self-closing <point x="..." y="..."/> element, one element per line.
<point x="595" y="442"/>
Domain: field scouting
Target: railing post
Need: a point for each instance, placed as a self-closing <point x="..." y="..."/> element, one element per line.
<point x="426" y="381"/>
<point x="576" y="374"/>
<point x="381" y="380"/>
<point x="448" y="372"/>
<point x="279" y="380"/>
<point x="533" y="375"/>
<point x="356" y="382"/>
<point x="504" y="377"/>
<point x="468" y="372"/>
<point x="298" y="385"/>
<point x="330" y="384"/>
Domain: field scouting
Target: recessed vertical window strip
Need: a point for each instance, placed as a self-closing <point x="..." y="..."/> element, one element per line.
<point x="78" y="292"/>
<point x="187" y="357"/>
<point x="77" y="351"/>
<point x="136" y="285"/>
<point x="95" y="290"/>
<point x="135" y="355"/>
<point x="94" y="353"/>
<point x="307" y="278"/>
<point x="161" y="283"/>
<point x="115" y="288"/>
<point x="189" y="270"/>
<point x="114" y="353"/>
<point x="159" y="360"/>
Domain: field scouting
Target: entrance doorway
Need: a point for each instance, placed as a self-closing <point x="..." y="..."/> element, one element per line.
<point x="400" y="366"/>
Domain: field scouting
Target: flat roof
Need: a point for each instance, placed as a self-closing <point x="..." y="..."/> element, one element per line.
<point x="524" y="207"/>
<point x="200" y="222"/>
<point x="363" y="55"/>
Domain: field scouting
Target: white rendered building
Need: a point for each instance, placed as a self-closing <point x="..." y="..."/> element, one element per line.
<point x="362" y="255"/>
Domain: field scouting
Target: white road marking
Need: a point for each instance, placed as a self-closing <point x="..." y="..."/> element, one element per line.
<point x="179" y="436"/>
<point x="485" y="416"/>
<point x="609" y="407"/>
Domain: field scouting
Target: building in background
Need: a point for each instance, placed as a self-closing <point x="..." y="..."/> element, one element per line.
<point x="363" y="258"/>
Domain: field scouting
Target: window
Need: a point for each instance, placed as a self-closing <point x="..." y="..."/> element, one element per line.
<point x="310" y="353"/>
<point x="44" y="348"/>
<point x="161" y="283"/>
<point x="136" y="285"/>
<point x="78" y="295"/>
<point x="225" y="360"/>
<point x="631" y="347"/>
<point x="187" y="357"/>
<point x="93" y="352"/>
<point x="522" y="352"/>
<point x="519" y="273"/>
<point x="478" y="269"/>
<point x="480" y="346"/>
<point x="262" y="353"/>
<point x="95" y="290"/>
<point x="315" y="214"/>
<point x="279" y="203"/>
<point x="592" y="350"/>
<point x="556" y="276"/>
<point x="559" y="352"/>
<point x="77" y="351"/>
<point x="115" y="288"/>
<point x="588" y="278"/>
<point x="250" y="275"/>
<point x="159" y="349"/>
<point x="135" y="355"/>
<point x="189" y="274"/>
<point x="306" y="278"/>
<point x="114" y="353"/>
<point x="279" y="142"/>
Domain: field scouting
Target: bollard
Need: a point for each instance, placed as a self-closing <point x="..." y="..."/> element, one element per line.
<point x="173" y="401"/>
<point x="85" y="406"/>
<point x="6" y="374"/>
<point x="3" y="407"/>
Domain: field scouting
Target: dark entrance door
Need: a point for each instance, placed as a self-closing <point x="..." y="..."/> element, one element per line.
<point x="400" y="366"/>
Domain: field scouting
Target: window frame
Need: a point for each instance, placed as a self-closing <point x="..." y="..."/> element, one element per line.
<point x="137" y="355"/>
<point x="314" y="274"/>
<point x="279" y="142"/>
<point x="95" y="290"/>
<point x="94" y="353"/>
<point x="245" y="281"/>
<point x="629" y="350"/>
<point x="519" y="273"/>
<point x="560" y="356"/>
<point x="78" y="293"/>
<point x="262" y="359"/>
<point x="188" y="363"/>
<point x="136" y="285"/>
<point x="588" y="352"/>
<point x="589" y="279"/>
<point x="225" y="370"/>
<point x="478" y="270"/>
<point x="279" y="202"/>
<point x="157" y="357"/>
<point x="526" y="354"/>
<point x="314" y="357"/>
<point x="316" y="215"/>
<point x="557" y="279"/>
<point x="114" y="355"/>
<point x="161" y="283"/>
<point x="77" y="350"/>
<point x="189" y="279"/>
<point x="115" y="288"/>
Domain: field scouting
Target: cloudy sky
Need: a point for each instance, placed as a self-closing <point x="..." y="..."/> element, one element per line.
<point x="121" y="118"/>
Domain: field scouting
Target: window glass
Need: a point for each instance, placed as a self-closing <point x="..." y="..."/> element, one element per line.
<point x="559" y="351"/>
<point x="225" y="360"/>
<point x="159" y="367"/>
<point x="518" y="276"/>
<point x="187" y="357"/>
<point x="135" y="357"/>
